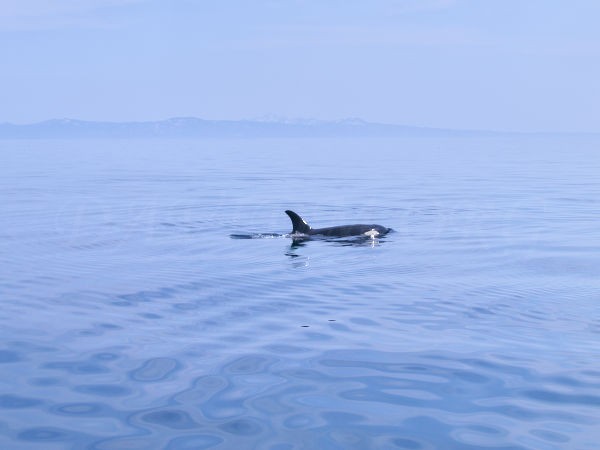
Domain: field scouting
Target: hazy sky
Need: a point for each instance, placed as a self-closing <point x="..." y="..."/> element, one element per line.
<point x="492" y="64"/>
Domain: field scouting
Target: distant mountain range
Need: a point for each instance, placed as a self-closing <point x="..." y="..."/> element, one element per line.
<point x="191" y="127"/>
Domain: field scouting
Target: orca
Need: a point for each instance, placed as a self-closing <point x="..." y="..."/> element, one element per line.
<point x="302" y="229"/>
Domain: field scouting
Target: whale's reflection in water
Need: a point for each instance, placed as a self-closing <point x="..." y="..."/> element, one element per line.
<point x="301" y="240"/>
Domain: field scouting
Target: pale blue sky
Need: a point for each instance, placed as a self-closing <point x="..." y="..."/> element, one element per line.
<point x="490" y="64"/>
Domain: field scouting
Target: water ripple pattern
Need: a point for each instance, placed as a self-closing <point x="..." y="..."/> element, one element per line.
<point x="151" y="297"/>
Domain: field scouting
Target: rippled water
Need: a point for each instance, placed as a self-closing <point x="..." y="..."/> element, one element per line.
<point x="130" y="319"/>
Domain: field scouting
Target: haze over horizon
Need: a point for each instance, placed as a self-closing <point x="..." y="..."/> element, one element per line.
<point x="458" y="64"/>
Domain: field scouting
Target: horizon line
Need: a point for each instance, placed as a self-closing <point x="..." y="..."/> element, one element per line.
<point x="307" y="122"/>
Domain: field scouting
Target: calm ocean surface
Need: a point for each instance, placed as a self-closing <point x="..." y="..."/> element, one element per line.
<point x="130" y="319"/>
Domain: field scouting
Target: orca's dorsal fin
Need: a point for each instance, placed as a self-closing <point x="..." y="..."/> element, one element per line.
<point x="299" y="225"/>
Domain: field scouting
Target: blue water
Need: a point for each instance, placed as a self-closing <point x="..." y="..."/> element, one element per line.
<point x="130" y="319"/>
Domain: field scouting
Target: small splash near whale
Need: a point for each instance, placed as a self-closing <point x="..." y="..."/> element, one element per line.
<point x="373" y="233"/>
<point x="258" y="236"/>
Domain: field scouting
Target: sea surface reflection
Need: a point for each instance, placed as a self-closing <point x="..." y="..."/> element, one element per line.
<point x="151" y="297"/>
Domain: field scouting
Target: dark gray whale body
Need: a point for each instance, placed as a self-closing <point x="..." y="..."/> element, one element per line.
<point x="301" y="228"/>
